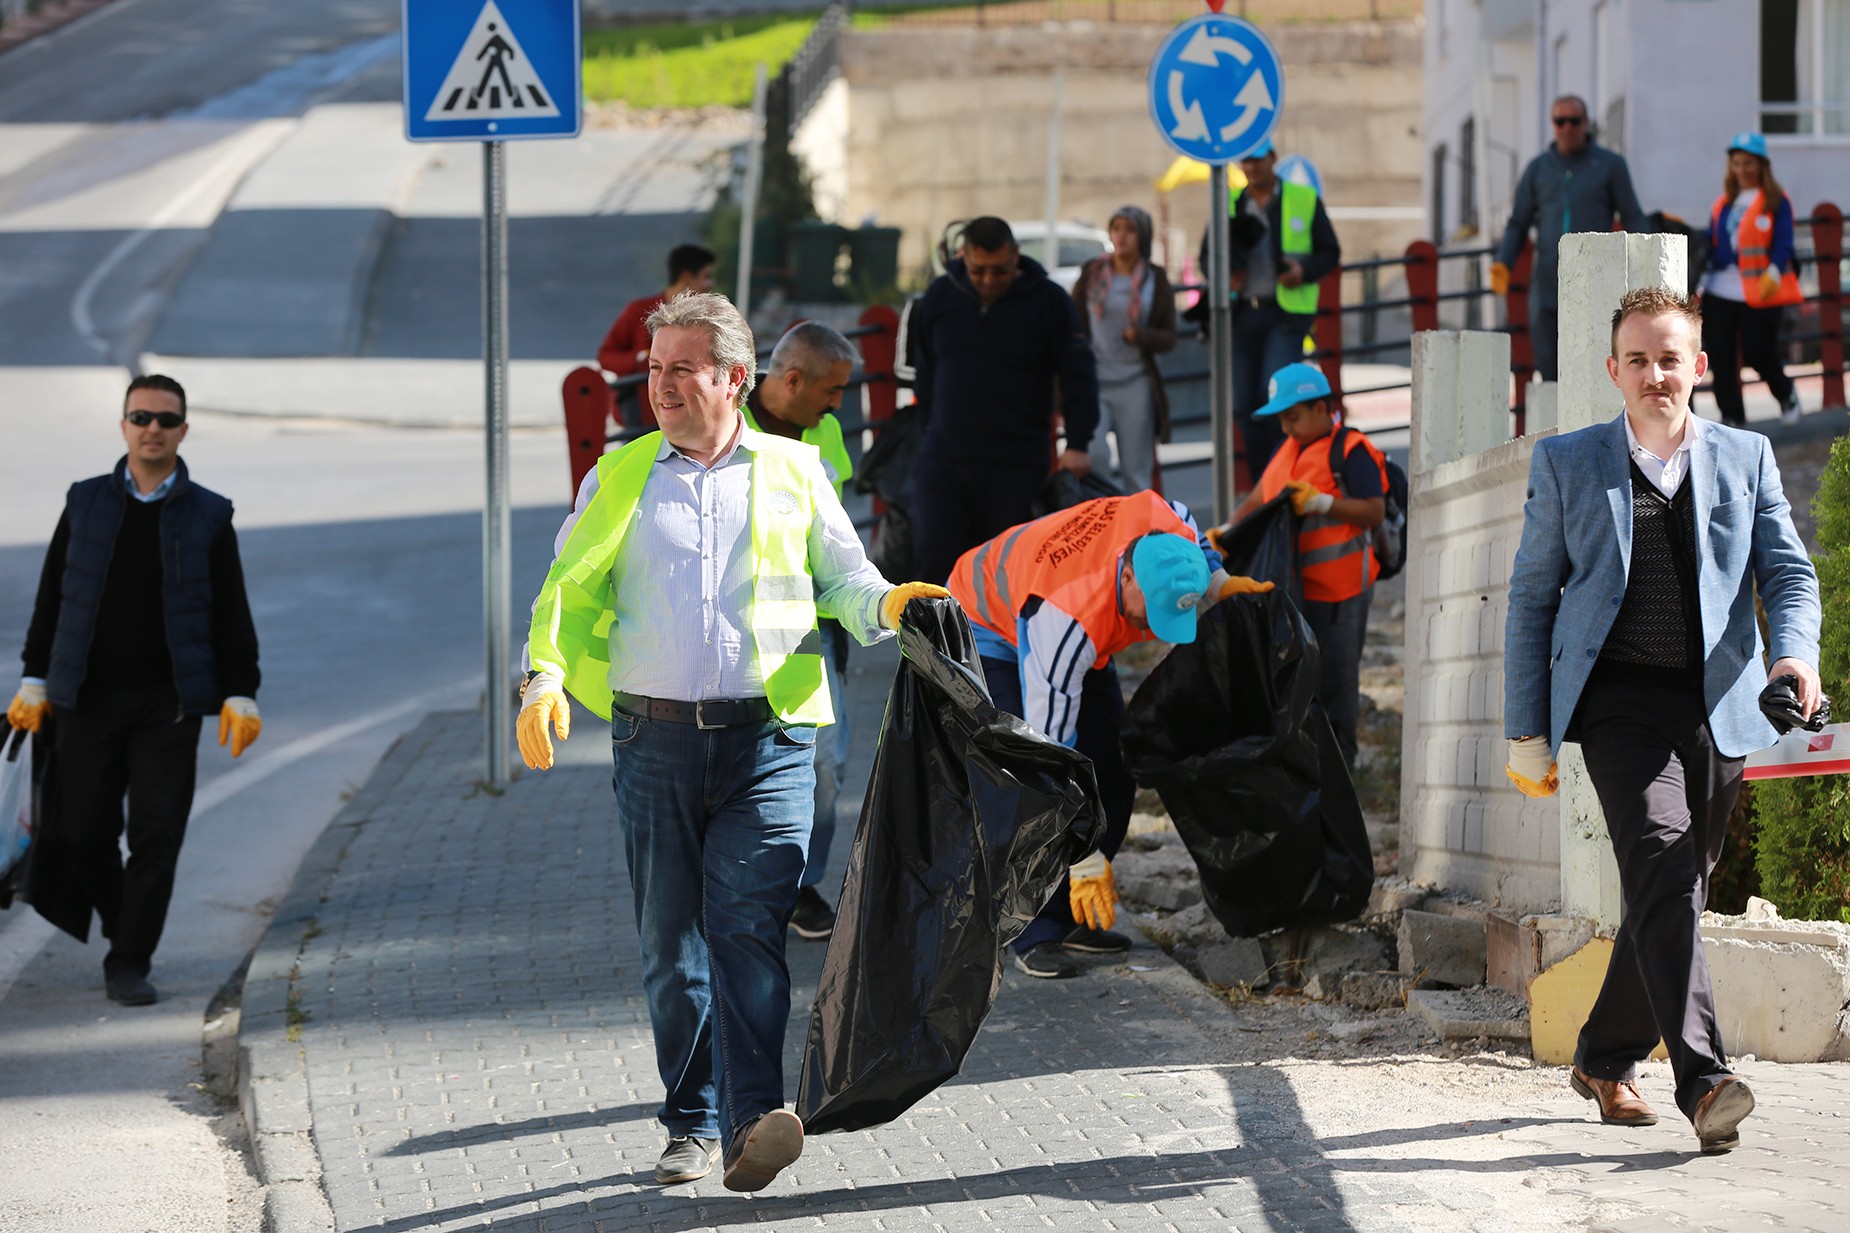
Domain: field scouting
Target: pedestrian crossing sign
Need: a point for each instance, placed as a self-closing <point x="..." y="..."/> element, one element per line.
<point x="493" y="70"/>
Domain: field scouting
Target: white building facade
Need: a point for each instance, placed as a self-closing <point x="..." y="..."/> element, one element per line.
<point x="1667" y="83"/>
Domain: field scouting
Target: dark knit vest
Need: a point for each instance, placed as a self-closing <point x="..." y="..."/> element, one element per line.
<point x="1658" y="631"/>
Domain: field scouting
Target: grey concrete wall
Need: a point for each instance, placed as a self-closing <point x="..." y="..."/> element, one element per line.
<point x="1462" y="826"/>
<point x="946" y="124"/>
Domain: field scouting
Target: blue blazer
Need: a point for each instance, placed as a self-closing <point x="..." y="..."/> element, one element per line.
<point x="1570" y="571"/>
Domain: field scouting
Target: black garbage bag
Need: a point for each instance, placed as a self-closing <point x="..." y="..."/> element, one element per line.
<point x="970" y="821"/>
<point x="1063" y="490"/>
<point x="1264" y="545"/>
<point x="1228" y="732"/>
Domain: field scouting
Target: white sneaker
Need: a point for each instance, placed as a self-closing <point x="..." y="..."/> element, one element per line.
<point x="1792" y="412"/>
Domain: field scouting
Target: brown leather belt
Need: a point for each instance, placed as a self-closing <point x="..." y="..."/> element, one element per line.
<point x="712" y="713"/>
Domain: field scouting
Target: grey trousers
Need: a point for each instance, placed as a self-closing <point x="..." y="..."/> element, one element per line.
<point x="1125" y="410"/>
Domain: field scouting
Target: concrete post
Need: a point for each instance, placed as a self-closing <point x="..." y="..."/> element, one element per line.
<point x="1596" y="270"/>
<point x="1543" y="407"/>
<point x="1460" y="395"/>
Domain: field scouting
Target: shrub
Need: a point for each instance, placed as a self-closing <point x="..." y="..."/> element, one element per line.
<point x="1802" y="838"/>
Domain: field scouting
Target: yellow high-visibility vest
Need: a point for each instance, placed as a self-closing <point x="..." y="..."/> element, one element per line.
<point x="570" y="633"/>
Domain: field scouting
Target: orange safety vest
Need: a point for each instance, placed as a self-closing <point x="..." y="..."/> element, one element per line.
<point x="1753" y="246"/>
<point x="1335" y="560"/>
<point x="1070" y="559"/>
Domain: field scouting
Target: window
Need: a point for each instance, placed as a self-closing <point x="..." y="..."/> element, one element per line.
<point x="1438" y="193"/>
<point x="1805" y="67"/>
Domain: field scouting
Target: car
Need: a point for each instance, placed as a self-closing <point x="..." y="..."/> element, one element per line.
<point x="1078" y="243"/>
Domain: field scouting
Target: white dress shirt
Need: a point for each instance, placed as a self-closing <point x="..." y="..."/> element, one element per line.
<point x="1666" y="474"/>
<point x="682" y="580"/>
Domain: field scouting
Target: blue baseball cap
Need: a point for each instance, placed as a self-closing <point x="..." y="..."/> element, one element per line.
<point x="1751" y="143"/>
<point x="1293" y="384"/>
<point x="1259" y="151"/>
<point x="1173" y="576"/>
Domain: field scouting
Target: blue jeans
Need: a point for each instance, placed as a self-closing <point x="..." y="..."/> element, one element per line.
<point x="715" y="825"/>
<point x="1265" y="339"/>
<point x="831" y="755"/>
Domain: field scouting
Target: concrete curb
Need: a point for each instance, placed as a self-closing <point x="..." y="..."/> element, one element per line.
<point x="273" y="1093"/>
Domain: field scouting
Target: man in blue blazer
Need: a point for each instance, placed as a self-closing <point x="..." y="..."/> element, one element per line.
<point x="1631" y="630"/>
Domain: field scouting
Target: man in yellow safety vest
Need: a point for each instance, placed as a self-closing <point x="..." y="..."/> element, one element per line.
<point x="682" y="604"/>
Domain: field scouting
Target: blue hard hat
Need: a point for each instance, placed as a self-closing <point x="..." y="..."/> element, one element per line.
<point x="1751" y="143"/>
<point x="1259" y="151"/>
<point x="1173" y="576"/>
<point x="1293" y="384"/>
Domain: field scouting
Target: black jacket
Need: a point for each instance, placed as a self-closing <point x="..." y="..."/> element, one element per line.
<point x="988" y="378"/>
<point x="1325" y="254"/>
<point x="205" y="614"/>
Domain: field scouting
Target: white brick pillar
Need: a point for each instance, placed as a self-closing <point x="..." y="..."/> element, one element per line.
<point x="1461" y="382"/>
<point x="1596" y="270"/>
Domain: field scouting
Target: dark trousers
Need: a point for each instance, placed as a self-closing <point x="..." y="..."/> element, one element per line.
<point x="1265" y="339"/>
<point x="1341" y="628"/>
<point x="1101" y="719"/>
<point x="1735" y="334"/>
<point x="1667" y="795"/>
<point x="958" y="503"/>
<point x="1544" y="333"/>
<point x="133" y="742"/>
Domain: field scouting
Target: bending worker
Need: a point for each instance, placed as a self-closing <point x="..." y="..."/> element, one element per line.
<point x="1338" y="483"/>
<point x="802" y="387"/>
<point x="683" y="605"/>
<point x="1051" y="601"/>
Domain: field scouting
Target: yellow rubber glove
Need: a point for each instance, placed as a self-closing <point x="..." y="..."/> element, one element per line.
<point x="239" y="723"/>
<point x="1307" y="499"/>
<point x="1094" y="894"/>
<point x="1499" y="278"/>
<point x="1213" y="537"/>
<point x="1532" y="767"/>
<point x="28" y="708"/>
<point x="543" y="705"/>
<point x="1239" y="584"/>
<point x="1769" y="284"/>
<point x="896" y="600"/>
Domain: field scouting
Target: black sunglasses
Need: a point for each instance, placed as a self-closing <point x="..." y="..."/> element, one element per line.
<point x="166" y="419"/>
<point x="1569" y="121"/>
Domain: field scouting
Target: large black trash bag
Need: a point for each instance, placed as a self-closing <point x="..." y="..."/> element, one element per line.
<point x="1228" y="732"/>
<point x="1264" y="545"/>
<point x="970" y="821"/>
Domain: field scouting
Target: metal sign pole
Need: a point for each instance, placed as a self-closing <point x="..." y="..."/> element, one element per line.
<point x="1220" y="346"/>
<point x="496" y="540"/>
<point x="754" y="181"/>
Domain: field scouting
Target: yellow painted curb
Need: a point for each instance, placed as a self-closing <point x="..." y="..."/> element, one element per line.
<point x="1561" y="998"/>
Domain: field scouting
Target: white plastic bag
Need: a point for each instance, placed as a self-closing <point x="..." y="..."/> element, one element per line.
<point x="15" y="800"/>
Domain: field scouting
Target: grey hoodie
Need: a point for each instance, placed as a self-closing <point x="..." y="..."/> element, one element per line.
<point x="1558" y="194"/>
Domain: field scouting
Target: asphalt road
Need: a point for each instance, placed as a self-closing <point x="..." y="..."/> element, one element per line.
<point x="121" y="137"/>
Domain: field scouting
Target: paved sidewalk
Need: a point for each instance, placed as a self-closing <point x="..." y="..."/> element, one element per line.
<point x="444" y="1030"/>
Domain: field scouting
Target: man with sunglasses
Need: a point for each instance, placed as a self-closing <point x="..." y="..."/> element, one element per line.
<point x="141" y="627"/>
<point x="1576" y="184"/>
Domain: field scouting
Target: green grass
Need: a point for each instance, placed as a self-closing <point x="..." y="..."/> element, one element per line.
<point x="688" y="64"/>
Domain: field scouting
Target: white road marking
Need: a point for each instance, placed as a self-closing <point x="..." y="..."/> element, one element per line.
<point x="247" y="150"/>
<point x="25" y="935"/>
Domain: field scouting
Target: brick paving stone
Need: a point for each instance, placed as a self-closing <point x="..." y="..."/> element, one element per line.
<point x="478" y="1056"/>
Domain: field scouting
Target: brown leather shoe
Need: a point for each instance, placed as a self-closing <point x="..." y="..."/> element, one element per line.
<point x="1719" y="1113"/>
<point x="1619" y="1101"/>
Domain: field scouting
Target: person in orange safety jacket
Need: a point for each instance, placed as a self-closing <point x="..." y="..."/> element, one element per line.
<point x="1050" y="602"/>
<point x="1339" y="493"/>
